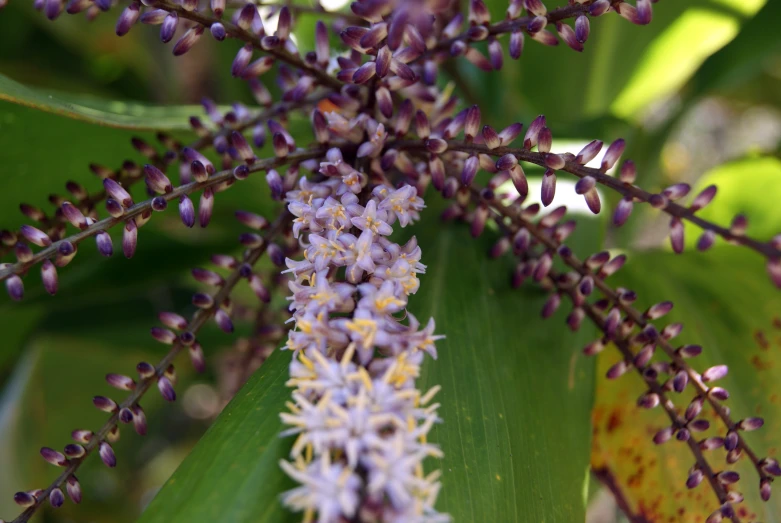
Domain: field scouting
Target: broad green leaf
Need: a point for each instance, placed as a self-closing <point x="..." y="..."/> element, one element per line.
<point x="123" y="115"/>
<point x="515" y="391"/>
<point x="728" y="307"/>
<point x="233" y="473"/>
<point x="751" y="186"/>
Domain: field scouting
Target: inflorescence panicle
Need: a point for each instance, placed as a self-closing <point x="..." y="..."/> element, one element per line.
<point x="383" y="131"/>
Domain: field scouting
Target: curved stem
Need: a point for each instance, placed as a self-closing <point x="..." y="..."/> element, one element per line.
<point x="137" y="209"/>
<point x="198" y="320"/>
<point x="673" y="209"/>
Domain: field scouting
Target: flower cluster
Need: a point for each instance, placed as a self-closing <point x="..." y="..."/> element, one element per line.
<point x="361" y="422"/>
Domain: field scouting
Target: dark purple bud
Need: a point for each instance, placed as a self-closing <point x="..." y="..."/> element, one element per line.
<point x="280" y="145"/>
<point x="382" y="64"/>
<point x="166" y="389"/>
<point x="536" y="25"/>
<point x="159" y="204"/>
<point x="322" y="49"/>
<point x="551" y="305"/>
<point x="718" y="393"/>
<point x="683" y="435"/>
<point x="617" y="370"/>
<point x="74" y="450"/>
<point x="731" y="441"/>
<point x="117" y="192"/>
<point x="765" y="489"/>
<point x="241" y="60"/>
<point x="663" y="435"/>
<point x="593" y="348"/>
<point x="519" y="180"/>
<point x="478" y="220"/>
<point x="186" y="211"/>
<point x="750" y="424"/>
<point x="585" y="184"/>
<point x="205" y="207"/>
<point x="472" y="123"/>
<point x="53" y="457"/>
<point x="739" y="225"/>
<point x="677" y="191"/>
<point x="506" y="162"/>
<point x="202" y="301"/>
<point x="163" y="335"/>
<point x="74" y="489"/>
<point x="208" y="277"/>
<point x="168" y="28"/>
<point x="24" y="499"/>
<point x="129" y="239"/>
<point x="699" y="425"/>
<point x="695" y="478"/>
<point x="548" y="187"/>
<point x="542" y="267"/>
<point x="252" y="220"/>
<point x="105" y="404"/>
<point x="217" y="29"/>
<point x="364" y="73"/>
<point x="544" y="140"/>
<point x="533" y="132"/>
<point x="126" y="20"/>
<point x="275" y="183"/>
<point x="470" y="170"/>
<point x="689" y="351"/>
<point x="36" y="236"/>
<point x="49" y="277"/>
<point x="704" y="198"/>
<point x="82" y="436"/>
<point x="648" y="400"/>
<point x="437" y="146"/>
<point x="74" y="215"/>
<point x="599" y="7"/>
<point x="728" y="477"/>
<point x="582" y="28"/>
<point x="188" y="40"/>
<point x="105" y="246"/>
<point x="120" y="382"/>
<point x="658" y="201"/>
<point x="676" y="235"/>
<point x="569" y="36"/>
<point x="223" y="321"/>
<point x="156" y="180"/>
<point x="247" y="16"/>
<point x="613" y="153"/>
<point x="107" y="454"/>
<point x="114" y="208"/>
<point x="623" y="210"/>
<point x="628" y="172"/>
<point x="515" y="47"/>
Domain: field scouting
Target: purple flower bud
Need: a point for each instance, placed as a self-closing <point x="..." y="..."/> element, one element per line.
<point x="676" y="235"/>
<point x="472" y="123"/>
<point x="544" y="140"/>
<point x="628" y="172"/>
<point x="246" y="16"/>
<point x="533" y="132"/>
<point x="599" y="7"/>
<point x="750" y="424"/>
<point x="718" y="393"/>
<point x="188" y="40"/>
<point x="208" y="277"/>
<point x="223" y="321"/>
<point x="542" y="267"/>
<point x="186" y="211"/>
<point x="107" y="454"/>
<point x="616" y="370"/>
<point x="241" y="60"/>
<point x="704" y="198"/>
<point x="728" y="477"/>
<point x="82" y="436"/>
<point x="506" y="162"/>
<point x="74" y="215"/>
<point x="585" y="184"/>
<point x="74" y="489"/>
<point x="648" y="400"/>
<point x="49" y="277"/>
<point x="166" y="389"/>
<point x="53" y="457"/>
<point x="205" y="207"/>
<point x="663" y="435"/>
<point x="731" y="441"/>
<point x="715" y="373"/>
<point x="518" y="178"/>
<point x="765" y="489"/>
<point x="105" y="246"/>
<point x="706" y="240"/>
<point x="158" y="181"/>
<point x="478" y="221"/>
<point x="163" y="335"/>
<point x="202" y="301"/>
<point x="551" y="305"/>
<point x="217" y="29"/>
<point x="470" y="170"/>
<point x="321" y="43"/>
<point x="275" y="183"/>
<point x="24" y="499"/>
<point x="623" y="210"/>
<point x="593" y="348"/>
<point x="612" y="154"/>
<point x="592" y="201"/>
<point x="695" y="478"/>
<point x="74" y="450"/>
<point x="105" y="404"/>
<point x="36" y="236"/>
<point x="515" y="47"/>
<point x="582" y="28"/>
<point x="677" y="191"/>
<point x="120" y="382"/>
<point x="117" y="192"/>
<point x="770" y="465"/>
<point x="548" y="187"/>
<point x="569" y="36"/>
<point x="689" y="351"/>
<point x="126" y="20"/>
<point x="168" y="28"/>
<point x="129" y="239"/>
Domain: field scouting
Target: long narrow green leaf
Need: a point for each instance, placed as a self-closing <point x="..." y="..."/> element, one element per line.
<point x="123" y="115"/>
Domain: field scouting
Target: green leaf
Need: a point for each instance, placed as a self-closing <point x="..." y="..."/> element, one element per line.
<point x="233" y="473"/>
<point x="516" y="394"/>
<point x="727" y="306"/>
<point x="739" y="183"/>
<point x="123" y="115"/>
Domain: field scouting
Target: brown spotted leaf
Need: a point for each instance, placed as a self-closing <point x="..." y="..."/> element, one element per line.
<point x="727" y="306"/>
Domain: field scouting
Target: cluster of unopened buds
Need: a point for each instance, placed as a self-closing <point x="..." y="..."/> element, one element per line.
<point x="384" y="134"/>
